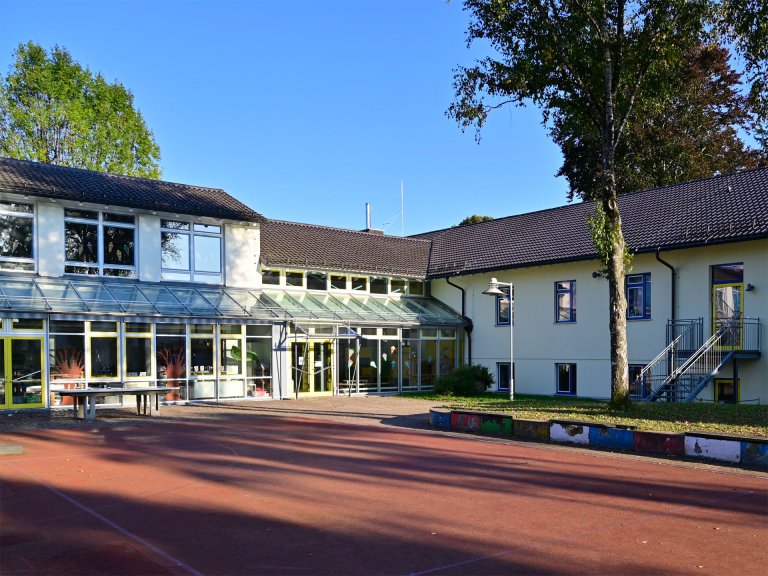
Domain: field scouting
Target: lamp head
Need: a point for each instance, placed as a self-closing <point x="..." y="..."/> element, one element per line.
<point x="493" y="288"/>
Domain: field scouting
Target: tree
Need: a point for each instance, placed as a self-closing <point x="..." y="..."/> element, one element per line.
<point x="698" y="134"/>
<point x="590" y="65"/>
<point x="475" y="218"/>
<point x="52" y="110"/>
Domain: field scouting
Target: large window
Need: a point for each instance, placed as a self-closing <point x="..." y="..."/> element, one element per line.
<point x="191" y="252"/>
<point x="17" y="236"/>
<point x="566" y="378"/>
<point x="99" y="243"/>
<point x="639" y="297"/>
<point x="565" y="301"/>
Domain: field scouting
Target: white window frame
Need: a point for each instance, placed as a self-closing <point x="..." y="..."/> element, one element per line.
<point x="100" y="224"/>
<point x="192" y="233"/>
<point x="15" y="259"/>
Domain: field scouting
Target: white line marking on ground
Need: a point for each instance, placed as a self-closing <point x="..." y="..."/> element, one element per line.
<point x="124" y="531"/>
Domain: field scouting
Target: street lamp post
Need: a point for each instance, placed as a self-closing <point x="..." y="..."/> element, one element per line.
<point x="493" y="290"/>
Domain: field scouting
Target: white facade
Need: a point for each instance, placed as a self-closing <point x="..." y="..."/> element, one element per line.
<point x="541" y="342"/>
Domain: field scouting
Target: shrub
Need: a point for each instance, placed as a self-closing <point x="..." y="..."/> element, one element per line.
<point x="465" y="381"/>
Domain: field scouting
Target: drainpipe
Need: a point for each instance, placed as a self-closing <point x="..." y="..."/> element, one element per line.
<point x="468" y="327"/>
<point x="674" y="287"/>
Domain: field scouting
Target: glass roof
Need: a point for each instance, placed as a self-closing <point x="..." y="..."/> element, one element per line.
<point x="175" y="302"/>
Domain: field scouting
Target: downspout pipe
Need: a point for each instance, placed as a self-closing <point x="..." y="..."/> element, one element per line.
<point x="468" y="321"/>
<point x="674" y="282"/>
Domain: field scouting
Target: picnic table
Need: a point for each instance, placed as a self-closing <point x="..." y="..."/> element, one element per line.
<point x="85" y="398"/>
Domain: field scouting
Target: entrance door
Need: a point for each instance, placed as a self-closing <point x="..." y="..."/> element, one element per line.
<point x="727" y="312"/>
<point x="312" y="367"/>
<point x="22" y="384"/>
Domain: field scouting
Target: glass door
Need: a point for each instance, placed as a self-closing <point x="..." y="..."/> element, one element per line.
<point x="22" y="384"/>
<point x="323" y="374"/>
<point x="312" y="367"/>
<point x="728" y="314"/>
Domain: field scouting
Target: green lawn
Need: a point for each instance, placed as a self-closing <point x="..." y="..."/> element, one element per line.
<point x="741" y="419"/>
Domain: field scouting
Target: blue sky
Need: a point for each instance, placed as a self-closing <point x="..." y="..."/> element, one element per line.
<point x="305" y="111"/>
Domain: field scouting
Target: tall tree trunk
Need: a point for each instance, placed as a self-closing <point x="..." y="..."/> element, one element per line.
<point x="615" y="260"/>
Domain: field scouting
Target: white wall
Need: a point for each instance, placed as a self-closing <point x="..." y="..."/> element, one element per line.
<point x="150" y="250"/>
<point x="50" y="239"/>
<point x="540" y="342"/>
<point x="241" y="257"/>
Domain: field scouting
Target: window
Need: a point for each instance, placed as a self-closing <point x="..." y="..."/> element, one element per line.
<point x="378" y="285"/>
<point x="17" y="236"/>
<point x="397" y="286"/>
<point x="99" y="243"/>
<point x="503" y="376"/>
<point x="639" y="297"/>
<point x="191" y="252"/>
<point x="566" y="378"/>
<point x="502" y="307"/>
<point x="416" y="288"/>
<point x="638" y="389"/>
<point x="270" y="277"/>
<point x="317" y="281"/>
<point x="726" y="391"/>
<point x="359" y="283"/>
<point x="565" y="301"/>
<point x="294" y="279"/>
<point x="338" y="282"/>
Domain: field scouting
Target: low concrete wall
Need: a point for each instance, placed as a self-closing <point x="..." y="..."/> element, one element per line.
<point x="752" y="452"/>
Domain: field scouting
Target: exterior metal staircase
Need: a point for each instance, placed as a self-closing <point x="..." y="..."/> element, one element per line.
<point x="686" y="366"/>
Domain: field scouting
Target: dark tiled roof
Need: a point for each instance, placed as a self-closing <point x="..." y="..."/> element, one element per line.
<point x="727" y="208"/>
<point x="62" y="183"/>
<point x="288" y="244"/>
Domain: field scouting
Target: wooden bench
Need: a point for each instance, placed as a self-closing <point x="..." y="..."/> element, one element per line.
<point x="85" y="399"/>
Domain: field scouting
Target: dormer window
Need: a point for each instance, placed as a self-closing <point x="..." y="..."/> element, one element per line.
<point x="191" y="252"/>
<point x="17" y="221"/>
<point x="99" y="243"/>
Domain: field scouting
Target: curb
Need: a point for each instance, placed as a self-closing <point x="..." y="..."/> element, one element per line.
<point x="735" y="450"/>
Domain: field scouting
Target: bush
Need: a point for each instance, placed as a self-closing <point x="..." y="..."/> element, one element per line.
<point x="465" y="381"/>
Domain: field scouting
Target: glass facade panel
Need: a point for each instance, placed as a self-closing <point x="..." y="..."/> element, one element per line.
<point x="104" y="357"/>
<point x="390" y="365"/>
<point x="175" y="250"/>
<point x="202" y="356"/>
<point x="231" y="357"/>
<point x="428" y="364"/>
<point x="138" y="357"/>
<point x="80" y="242"/>
<point x="207" y="254"/>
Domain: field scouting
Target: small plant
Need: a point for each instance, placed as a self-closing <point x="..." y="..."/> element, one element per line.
<point x="465" y="381"/>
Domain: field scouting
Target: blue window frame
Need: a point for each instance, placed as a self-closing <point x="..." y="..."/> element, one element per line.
<point x="503" y="375"/>
<point x="565" y="301"/>
<point x="639" y="297"/>
<point x="502" y="307"/>
<point x="566" y="379"/>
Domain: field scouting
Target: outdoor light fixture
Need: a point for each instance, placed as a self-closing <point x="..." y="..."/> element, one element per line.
<point x="750" y="288"/>
<point x="493" y="290"/>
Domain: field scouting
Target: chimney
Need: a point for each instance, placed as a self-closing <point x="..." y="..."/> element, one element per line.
<point x="368" y="221"/>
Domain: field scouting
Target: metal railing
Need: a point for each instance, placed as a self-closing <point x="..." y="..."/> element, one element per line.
<point x="685" y="380"/>
<point x="683" y="337"/>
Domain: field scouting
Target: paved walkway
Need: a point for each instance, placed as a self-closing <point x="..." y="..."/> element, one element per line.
<point x="347" y="486"/>
<point x="371" y="410"/>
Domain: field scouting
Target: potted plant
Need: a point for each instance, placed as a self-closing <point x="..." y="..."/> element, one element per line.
<point x="69" y="366"/>
<point x="173" y="366"/>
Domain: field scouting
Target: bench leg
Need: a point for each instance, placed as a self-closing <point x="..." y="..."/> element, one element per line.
<point x="79" y="411"/>
<point x="138" y="404"/>
<point x="90" y="413"/>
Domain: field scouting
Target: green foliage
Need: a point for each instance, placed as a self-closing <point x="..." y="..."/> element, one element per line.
<point x="52" y="110"/>
<point x="465" y="381"/>
<point x="474" y="219"/>
<point x="604" y="238"/>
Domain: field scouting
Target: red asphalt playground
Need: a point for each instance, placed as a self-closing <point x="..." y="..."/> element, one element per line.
<point x="280" y="495"/>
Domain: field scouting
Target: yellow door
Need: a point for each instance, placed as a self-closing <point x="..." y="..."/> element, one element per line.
<point x="22" y="381"/>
